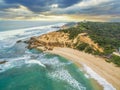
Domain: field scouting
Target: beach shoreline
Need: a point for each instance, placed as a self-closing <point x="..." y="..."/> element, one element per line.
<point x="106" y="74"/>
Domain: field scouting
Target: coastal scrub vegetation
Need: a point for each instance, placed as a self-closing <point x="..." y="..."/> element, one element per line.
<point x="87" y="48"/>
<point x="106" y="35"/>
<point x="82" y="46"/>
<point x="115" y="59"/>
<point x="73" y="31"/>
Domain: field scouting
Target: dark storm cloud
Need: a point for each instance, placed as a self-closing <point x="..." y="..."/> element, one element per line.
<point x="42" y="5"/>
<point x="108" y="8"/>
<point x="4" y="5"/>
<point x="112" y="8"/>
<point x="38" y="6"/>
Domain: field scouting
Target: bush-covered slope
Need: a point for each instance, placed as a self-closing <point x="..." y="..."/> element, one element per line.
<point x="107" y="35"/>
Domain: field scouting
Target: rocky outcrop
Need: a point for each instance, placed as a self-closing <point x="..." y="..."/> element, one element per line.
<point x="60" y="39"/>
<point x="50" y="40"/>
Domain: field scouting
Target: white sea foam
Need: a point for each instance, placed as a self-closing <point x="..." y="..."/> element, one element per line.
<point x="9" y="38"/>
<point x="35" y="62"/>
<point x="24" y="31"/>
<point x="13" y="62"/>
<point x="54" y="62"/>
<point x="87" y="76"/>
<point x="18" y="62"/>
<point x="64" y="75"/>
<point x="8" y="65"/>
<point x="60" y="73"/>
<point x="100" y="80"/>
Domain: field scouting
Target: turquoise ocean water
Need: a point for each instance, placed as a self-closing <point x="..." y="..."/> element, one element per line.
<point x="32" y="69"/>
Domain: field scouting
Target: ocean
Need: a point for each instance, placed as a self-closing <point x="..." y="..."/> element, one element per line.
<point x="32" y="69"/>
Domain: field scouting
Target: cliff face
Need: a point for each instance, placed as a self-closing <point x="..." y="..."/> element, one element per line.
<point x="50" y="40"/>
<point x="83" y="37"/>
<point x="61" y="39"/>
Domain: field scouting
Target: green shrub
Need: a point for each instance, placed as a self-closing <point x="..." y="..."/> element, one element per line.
<point x="82" y="46"/>
<point x="115" y="59"/>
<point x="89" y="49"/>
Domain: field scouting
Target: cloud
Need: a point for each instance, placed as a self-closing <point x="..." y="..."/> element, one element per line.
<point x="20" y="9"/>
<point x="91" y="3"/>
<point x="60" y="9"/>
<point x="54" y="6"/>
<point x="23" y="13"/>
<point x="42" y="5"/>
<point x="3" y="5"/>
<point x="92" y="7"/>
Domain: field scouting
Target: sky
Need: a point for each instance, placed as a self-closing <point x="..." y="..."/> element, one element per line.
<point x="60" y="10"/>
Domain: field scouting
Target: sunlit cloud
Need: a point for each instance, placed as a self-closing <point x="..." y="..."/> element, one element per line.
<point x="62" y="10"/>
<point x="54" y="6"/>
<point x="89" y="3"/>
<point x="21" y="9"/>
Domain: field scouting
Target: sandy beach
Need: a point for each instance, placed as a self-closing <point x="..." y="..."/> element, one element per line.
<point x="107" y="71"/>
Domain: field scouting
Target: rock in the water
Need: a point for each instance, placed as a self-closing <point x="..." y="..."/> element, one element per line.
<point x="19" y="41"/>
<point x="26" y="41"/>
<point x="2" y="62"/>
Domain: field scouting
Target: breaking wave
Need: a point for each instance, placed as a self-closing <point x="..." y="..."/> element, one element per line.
<point x="101" y="81"/>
